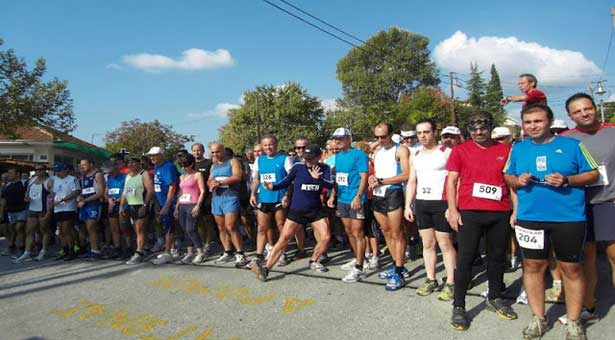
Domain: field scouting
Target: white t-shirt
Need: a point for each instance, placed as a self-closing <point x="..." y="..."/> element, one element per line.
<point x="63" y="187"/>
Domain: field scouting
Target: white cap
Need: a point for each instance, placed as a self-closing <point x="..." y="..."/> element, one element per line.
<point x="155" y="150"/>
<point x="559" y="124"/>
<point x="340" y="133"/>
<point x="410" y="133"/>
<point x="396" y="138"/>
<point x="451" y="130"/>
<point x="500" y="131"/>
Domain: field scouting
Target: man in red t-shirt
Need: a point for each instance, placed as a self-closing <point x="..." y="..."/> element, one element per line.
<point x="531" y="95"/>
<point x="478" y="203"/>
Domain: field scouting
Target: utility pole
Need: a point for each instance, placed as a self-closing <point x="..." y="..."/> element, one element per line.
<point x="451" y="78"/>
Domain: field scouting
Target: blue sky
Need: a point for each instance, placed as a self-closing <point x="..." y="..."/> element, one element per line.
<point x="123" y="59"/>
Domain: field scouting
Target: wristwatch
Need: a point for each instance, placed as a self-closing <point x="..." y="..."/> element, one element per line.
<point x="379" y="180"/>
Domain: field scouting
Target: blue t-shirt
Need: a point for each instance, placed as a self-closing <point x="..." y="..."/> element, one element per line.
<point x="348" y="168"/>
<point x="306" y="189"/>
<point x="164" y="175"/>
<point x="115" y="185"/>
<point x="271" y="169"/>
<point x="540" y="201"/>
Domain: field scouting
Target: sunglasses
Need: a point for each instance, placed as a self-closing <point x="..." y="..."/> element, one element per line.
<point x="381" y="137"/>
<point x="300" y="147"/>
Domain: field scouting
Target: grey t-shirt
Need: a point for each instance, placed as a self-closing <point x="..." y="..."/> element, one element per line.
<point x="601" y="145"/>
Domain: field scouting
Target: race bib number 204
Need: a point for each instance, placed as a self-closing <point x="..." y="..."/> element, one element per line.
<point x="530" y="239"/>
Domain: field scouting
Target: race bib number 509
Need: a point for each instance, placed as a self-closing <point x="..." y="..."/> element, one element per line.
<point x="490" y="192"/>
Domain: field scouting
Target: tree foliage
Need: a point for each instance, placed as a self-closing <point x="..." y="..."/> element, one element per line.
<point x="138" y="137"/>
<point x="26" y="100"/>
<point x="286" y="111"/>
<point x="425" y="102"/>
<point x="493" y="96"/>
<point x="476" y="88"/>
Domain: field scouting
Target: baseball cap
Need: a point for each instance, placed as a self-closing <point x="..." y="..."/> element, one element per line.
<point x="155" y="150"/>
<point x="500" y="131"/>
<point x="59" y="167"/>
<point x="312" y="152"/>
<point x="341" y="133"/>
<point x="559" y="124"/>
<point x="451" y="130"/>
<point x="410" y="133"/>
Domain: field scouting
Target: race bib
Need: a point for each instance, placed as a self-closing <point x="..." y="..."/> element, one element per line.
<point x="60" y="197"/>
<point x="530" y="239"/>
<point x="221" y="178"/>
<point x="310" y="187"/>
<point x="426" y="190"/>
<point x="130" y="191"/>
<point x="341" y="178"/>
<point x="380" y="190"/>
<point x="88" y="191"/>
<point x="541" y="163"/>
<point x="35" y="195"/>
<point x="268" y="178"/>
<point x="184" y="198"/>
<point x="603" y="179"/>
<point x="490" y="192"/>
<point x="113" y="191"/>
<point x="157" y="188"/>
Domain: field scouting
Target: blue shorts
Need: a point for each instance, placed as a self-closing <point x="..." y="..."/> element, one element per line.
<point x="224" y="204"/>
<point x="89" y="213"/>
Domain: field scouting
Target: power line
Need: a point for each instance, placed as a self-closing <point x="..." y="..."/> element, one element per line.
<point x="608" y="49"/>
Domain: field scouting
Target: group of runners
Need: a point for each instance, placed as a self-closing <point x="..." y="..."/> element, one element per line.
<point x="546" y="196"/>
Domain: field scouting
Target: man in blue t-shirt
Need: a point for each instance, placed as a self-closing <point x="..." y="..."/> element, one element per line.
<point x="351" y="170"/>
<point x="166" y="179"/>
<point x="549" y="173"/>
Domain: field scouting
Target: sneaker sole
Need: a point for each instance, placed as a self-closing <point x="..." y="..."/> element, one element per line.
<point x="445" y="298"/>
<point x="459" y="327"/>
<point x="422" y="293"/>
<point x="504" y="316"/>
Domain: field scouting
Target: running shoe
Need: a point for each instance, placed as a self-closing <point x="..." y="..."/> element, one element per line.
<point x="522" y="298"/>
<point x="354" y="275"/>
<point x="135" y="259"/>
<point x="503" y="311"/>
<point x="175" y="254"/>
<point x="536" y="328"/>
<point x="163" y="259"/>
<point x="187" y="259"/>
<point x="260" y="270"/>
<point x="586" y="315"/>
<point x="428" y="287"/>
<point x="241" y="261"/>
<point x="459" y="320"/>
<point x="41" y="255"/>
<point x="317" y="267"/>
<point x="267" y="251"/>
<point x="515" y="263"/>
<point x="284" y="260"/>
<point x="555" y="294"/>
<point x="575" y="331"/>
<point x="373" y="263"/>
<point x="349" y="265"/>
<point x="158" y="247"/>
<point x="395" y="282"/>
<point x="25" y="257"/>
<point x="447" y="293"/>
<point x="385" y="275"/>
<point x="225" y="257"/>
<point x="199" y="258"/>
<point x="324" y="258"/>
<point x="92" y="256"/>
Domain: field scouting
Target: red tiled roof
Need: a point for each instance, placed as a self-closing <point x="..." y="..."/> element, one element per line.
<point x="41" y="133"/>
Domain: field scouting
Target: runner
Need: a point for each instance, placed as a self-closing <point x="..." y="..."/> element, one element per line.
<point x="450" y="136"/>
<point x="549" y="174"/>
<point x="135" y="204"/>
<point x="301" y="144"/>
<point x="531" y="95"/>
<point x="66" y="189"/>
<point x="478" y="203"/>
<point x="14" y="193"/>
<point x="205" y="221"/>
<point x="271" y="167"/>
<point x="390" y="171"/>
<point x="598" y="138"/>
<point x="120" y="226"/>
<point x="426" y="184"/>
<point x="308" y="179"/>
<point x="224" y="181"/>
<point x="351" y="172"/>
<point x="92" y="190"/>
<point x="166" y="179"/>
<point x="191" y="196"/>
<point x="39" y="213"/>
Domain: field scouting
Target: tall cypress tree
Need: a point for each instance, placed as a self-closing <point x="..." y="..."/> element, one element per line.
<point x="476" y="88"/>
<point x="493" y="96"/>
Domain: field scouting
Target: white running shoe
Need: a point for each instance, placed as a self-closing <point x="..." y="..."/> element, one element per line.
<point x="318" y="267"/>
<point x="585" y="316"/>
<point x="135" y="259"/>
<point x="41" y="255"/>
<point x="26" y="256"/>
<point x="187" y="258"/>
<point x="175" y="254"/>
<point x="241" y="261"/>
<point x="373" y="263"/>
<point x="522" y="298"/>
<point x="349" y="265"/>
<point x="354" y="275"/>
<point x="162" y="259"/>
<point x="225" y="257"/>
<point x="199" y="258"/>
<point x="267" y="251"/>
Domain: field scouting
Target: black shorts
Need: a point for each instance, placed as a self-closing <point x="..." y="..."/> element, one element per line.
<point x="430" y="214"/>
<point x="63" y="216"/>
<point x="37" y="214"/>
<point x="307" y="217"/>
<point x="269" y="207"/>
<point x="133" y="212"/>
<point x="600" y="219"/>
<point x="566" y="238"/>
<point x="370" y="225"/>
<point x="393" y="199"/>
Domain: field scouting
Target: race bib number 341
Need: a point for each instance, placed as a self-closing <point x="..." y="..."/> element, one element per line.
<point x="490" y="192"/>
<point x="530" y="239"/>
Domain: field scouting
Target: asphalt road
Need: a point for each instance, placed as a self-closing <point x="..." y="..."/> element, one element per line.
<point x="110" y="300"/>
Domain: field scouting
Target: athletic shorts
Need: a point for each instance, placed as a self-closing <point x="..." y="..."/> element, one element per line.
<point x="393" y="199"/>
<point x="600" y="221"/>
<point x="89" y="213"/>
<point x="430" y="214"/>
<point x="566" y="238"/>
<point x="269" y="207"/>
<point x="306" y="217"/>
<point x="115" y="212"/>
<point x="63" y="216"/>
<point x="344" y="211"/>
<point x="36" y="214"/>
<point x="224" y="204"/>
<point x="370" y="225"/>
<point x="133" y="212"/>
<point x="17" y="216"/>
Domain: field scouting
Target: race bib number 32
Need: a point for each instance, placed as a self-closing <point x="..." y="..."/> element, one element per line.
<point x="490" y="192"/>
<point x="530" y="239"/>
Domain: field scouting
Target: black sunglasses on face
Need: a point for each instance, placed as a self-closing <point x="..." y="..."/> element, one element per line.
<point x="300" y="147"/>
<point x="381" y="137"/>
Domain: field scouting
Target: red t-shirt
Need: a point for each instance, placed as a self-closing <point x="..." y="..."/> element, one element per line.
<point x="480" y="169"/>
<point x="535" y="97"/>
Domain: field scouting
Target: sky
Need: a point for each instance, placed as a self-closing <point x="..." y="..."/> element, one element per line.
<point x="186" y="63"/>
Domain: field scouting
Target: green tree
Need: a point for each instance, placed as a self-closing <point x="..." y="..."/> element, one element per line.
<point x="26" y="100"/>
<point x="286" y="111"/>
<point x="138" y="137"/>
<point x="425" y="102"/>
<point x="493" y="96"/>
<point x="476" y="88"/>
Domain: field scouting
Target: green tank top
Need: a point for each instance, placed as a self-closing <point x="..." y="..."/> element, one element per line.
<point x="134" y="189"/>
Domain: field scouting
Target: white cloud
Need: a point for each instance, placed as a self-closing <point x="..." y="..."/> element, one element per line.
<point x="513" y="57"/>
<point x="221" y="110"/>
<point x="192" y="59"/>
<point x="329" y="104"/>
<point x="113" y="66"/>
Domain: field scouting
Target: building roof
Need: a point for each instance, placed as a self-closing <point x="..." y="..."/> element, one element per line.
<point x="41" y="133"/>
